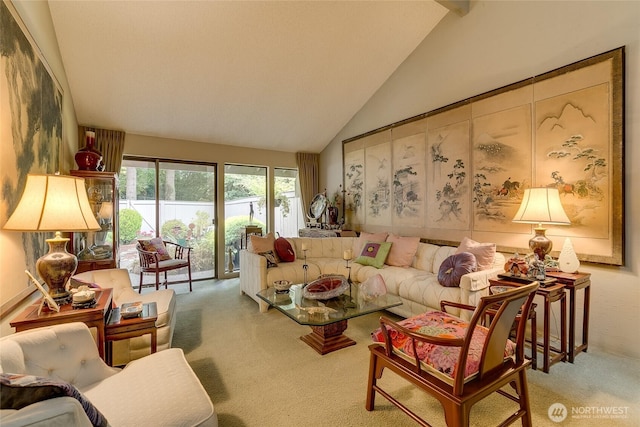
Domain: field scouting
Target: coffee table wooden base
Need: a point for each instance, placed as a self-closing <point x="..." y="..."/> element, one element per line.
<point x="327" y="338"/>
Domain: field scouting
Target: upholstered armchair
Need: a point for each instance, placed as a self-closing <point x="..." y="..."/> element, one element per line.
<point x="119" y="280"/>
<point x="157" y="390"/>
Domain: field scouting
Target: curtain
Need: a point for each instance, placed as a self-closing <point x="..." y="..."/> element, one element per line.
<point x="308" y="176"/>
<point x="109" y="142"/>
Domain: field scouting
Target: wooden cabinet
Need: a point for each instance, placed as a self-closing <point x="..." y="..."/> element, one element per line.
<point x="99" y="249"/>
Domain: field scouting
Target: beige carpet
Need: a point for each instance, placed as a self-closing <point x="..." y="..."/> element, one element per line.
<point x="259" y="373"/>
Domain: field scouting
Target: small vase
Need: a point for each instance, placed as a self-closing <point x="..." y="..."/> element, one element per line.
<point x="89" y="158"/>
<point x="333" y="215"/>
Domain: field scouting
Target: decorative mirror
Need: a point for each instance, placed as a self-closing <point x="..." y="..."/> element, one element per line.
<point x="317" y="207"/>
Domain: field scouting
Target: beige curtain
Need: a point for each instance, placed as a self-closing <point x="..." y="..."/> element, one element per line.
<point x="308" y="176"/>
<point x="109" y="142"/>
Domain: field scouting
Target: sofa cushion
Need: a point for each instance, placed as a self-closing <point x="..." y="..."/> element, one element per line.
<point x="272" y="260"/>
<point x="19" y="390"/>
<point x="440" y="360"/>
<point x="284" y="250"/>
<point x="484" y="252"/>
<point x="155" y="245"/>
<point x="260" y="244"/>
<point x="403" y="250"/>
<point x="374" y="254"/>
<point x="454" y="267"/>
<point x="365" y="237"/>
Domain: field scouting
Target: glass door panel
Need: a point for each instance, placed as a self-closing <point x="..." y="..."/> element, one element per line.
<point x="245" y="191"/>
<point x="288" y="218"/>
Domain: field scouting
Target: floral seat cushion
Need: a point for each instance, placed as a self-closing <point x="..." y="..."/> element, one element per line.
<point x="437" y="359"/>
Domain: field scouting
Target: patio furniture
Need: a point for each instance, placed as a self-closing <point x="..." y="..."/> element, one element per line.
<point x="153" y="262"/>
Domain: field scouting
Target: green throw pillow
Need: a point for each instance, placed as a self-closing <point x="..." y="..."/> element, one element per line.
<point x="374" y="254"/>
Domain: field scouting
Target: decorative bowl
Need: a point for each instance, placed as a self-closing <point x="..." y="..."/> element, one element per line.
<point x="282" y="286"/>
<point x="326" y="287"/>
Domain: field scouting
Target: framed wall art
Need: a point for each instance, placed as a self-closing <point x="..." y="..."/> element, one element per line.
<point x="31" y="134"/>
<point x="562" y="129"/>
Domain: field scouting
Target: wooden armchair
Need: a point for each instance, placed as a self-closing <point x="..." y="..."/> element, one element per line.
<point x="152" y="262"/>
<point x="482" y="359"/>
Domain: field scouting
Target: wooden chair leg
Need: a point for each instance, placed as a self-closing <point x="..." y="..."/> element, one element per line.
<point x="190" y="286"/>
<point x="157" y="279"/>
<point x="371" y="393"/>
<point x="166" y="281"/>
<point x="140" y="287"/>
<point x="534" y="343"/>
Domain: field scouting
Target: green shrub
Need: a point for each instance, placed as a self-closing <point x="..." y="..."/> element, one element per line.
<point x="234" y="226"/>
<point x="174" y="230"/>
<point x="202" y="254"/>
<point x="130" y="223"/>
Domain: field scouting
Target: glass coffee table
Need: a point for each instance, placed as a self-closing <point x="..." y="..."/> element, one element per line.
<point x="327" y="318"/>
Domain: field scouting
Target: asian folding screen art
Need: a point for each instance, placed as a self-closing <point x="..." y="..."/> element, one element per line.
<point x="462" y="170"/>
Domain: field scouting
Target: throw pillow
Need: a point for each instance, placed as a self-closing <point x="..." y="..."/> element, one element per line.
<point x="260" y="244"/>
<point x="19" y="390"/>
<point x="272" y="261"/>
<point x="374" y="254"/>
<point x="365" y="237"/>
<point x="403" y="250"/>
<point x="485" y="253"/>
<point x="155" y="245"/>
<point x="284" y="250"/>
<point x="454" y="267"/>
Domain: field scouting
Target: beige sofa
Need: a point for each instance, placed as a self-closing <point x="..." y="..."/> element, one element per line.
<point x="157" y="390"/>
<point x="165" y="299"/>
<point x="417" y="285"/>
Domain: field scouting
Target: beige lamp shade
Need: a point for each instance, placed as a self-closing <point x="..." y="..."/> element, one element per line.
<point x="53" y="203"/>
<point x="541" y="206"/>
<point x="106" y="210"/>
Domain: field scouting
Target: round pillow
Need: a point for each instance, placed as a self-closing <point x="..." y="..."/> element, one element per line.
<point x="284" y="250"/>
<point x="454" y="267"/>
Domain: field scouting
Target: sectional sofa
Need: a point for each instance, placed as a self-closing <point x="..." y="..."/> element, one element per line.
<point x="416" y="283"/>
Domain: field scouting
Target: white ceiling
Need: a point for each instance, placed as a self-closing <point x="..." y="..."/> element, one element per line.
<point x="277" y="75"/>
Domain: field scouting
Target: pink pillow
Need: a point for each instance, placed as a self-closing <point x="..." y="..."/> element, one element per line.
<point x="155" y="245"/>
<point x="403" y="250"/>
<point x="359" y="243"/>
<point x="259" y="244"/>
<point x="485" y="253"/>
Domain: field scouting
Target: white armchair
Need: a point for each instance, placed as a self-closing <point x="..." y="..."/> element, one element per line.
<point x="119" y="279"/>
<point x="158" y="390"/>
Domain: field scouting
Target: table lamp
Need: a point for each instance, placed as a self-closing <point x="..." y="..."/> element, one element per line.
<point x="54" y="203"/>
<point x="541" y="206"/>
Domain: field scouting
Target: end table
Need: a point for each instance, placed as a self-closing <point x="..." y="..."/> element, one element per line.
<point x="119" y="328"/>
<point x="573" y="282"/>
<point x="93" y="317"/>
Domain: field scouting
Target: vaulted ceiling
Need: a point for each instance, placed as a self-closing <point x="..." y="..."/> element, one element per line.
<point x="277" y="75"/>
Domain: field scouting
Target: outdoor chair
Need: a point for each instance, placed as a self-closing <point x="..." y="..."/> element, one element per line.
<point x="481" y="359"/>
<point x="158" y="261"/>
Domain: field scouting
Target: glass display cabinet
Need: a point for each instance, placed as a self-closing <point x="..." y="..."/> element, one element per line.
<point x="99" y="249"/>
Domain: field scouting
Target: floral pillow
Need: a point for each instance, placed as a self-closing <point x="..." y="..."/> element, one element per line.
<point x="155" y="245"/>
<point x="441" y="360"/>
<point x="272" y="260"/>
<point x="374" y="254"/>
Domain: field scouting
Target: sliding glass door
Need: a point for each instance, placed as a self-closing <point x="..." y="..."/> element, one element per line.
<point x="173" y="200"/>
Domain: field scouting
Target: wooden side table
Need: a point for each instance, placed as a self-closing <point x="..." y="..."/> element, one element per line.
<point x="248" y="231"/>
<point x="551" y="293"/>
<point x="573" y="282"/>
<point x="93" y="317"/>
<point x="119" y="328"/>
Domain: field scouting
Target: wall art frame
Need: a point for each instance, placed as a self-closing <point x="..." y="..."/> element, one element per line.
<point x="31" y="132"/>
<point x="561" y="129"/>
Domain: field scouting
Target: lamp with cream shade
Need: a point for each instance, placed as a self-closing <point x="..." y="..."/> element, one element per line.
<point x="54" y="203"/>
<point x="541" y="206"/>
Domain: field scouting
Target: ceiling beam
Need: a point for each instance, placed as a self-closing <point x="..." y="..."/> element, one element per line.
<point x="460" y="7"/>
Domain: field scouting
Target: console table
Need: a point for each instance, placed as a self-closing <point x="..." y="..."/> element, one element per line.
<point x="573" y="282"/>
<point x="552" y="292"/>
<point x="93" y="317"/>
